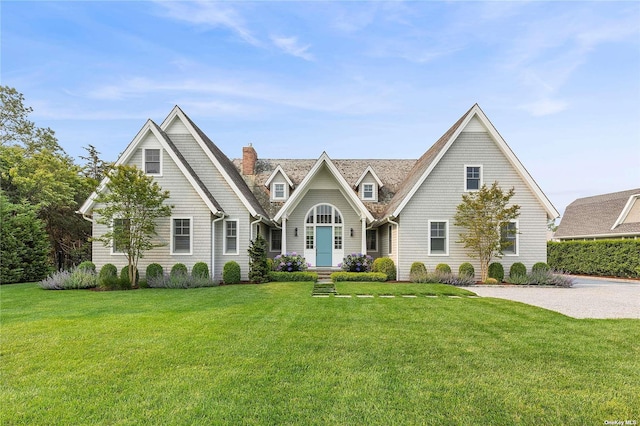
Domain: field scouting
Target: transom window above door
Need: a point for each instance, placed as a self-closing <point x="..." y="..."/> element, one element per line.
<point x="324" y="214"/>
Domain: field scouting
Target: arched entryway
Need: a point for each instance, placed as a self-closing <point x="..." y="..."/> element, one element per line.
<point x="324" y="236"/>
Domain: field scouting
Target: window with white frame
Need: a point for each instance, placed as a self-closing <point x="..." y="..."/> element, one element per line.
<point x="509" y="238"/>
<point x="231" y="237"/>
<point x="181" y="236"/>
<point x="337" y="237"/>
<point x="473" y="178"/>
<point x="368" y="191"/>
<point x="121" y="235"/>
<point x="438" y="238"/>
<point x="372" y="240"/>
<point x="276" y="240"/>
<point x="279" y="191"/>
<point x="152" y="162"/>
<point x="310" y="241"/>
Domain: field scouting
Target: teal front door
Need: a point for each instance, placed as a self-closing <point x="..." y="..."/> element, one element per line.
<point x="323" y="245"/>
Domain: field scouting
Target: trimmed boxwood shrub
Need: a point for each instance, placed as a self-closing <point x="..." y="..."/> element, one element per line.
<point x="359" y="276"/>
<point x="154" y="270"/>
<point x="108" y="271"/>
<point x="443" y="268"/>
<point x="418" y="272"/>
<point x="87" y="265"/>
<point x="619" y="258"/>
<point x="231" y="272"/>
<point x="517" y="270"/>
<point x="179" y="269"/>
<point x="466" y="269"/>
<point x="200" y="270"/>
<point x="279" y="276"/>
<point x="386" y="266"/>
<point x="540" y="267"/>
<point x="496" y="271"/>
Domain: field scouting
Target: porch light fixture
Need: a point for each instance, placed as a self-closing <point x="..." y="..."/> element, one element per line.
<point x="351" y="232"/>
<point x="295" y="232"/>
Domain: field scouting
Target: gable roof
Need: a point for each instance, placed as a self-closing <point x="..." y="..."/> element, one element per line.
<point x="599" y="216"/>
<point x="425" y="165"/>
<point x="222" y="163"/>
<point x="345" y="188"/>
<point x="176" y="156"/>
<point x="280" y="170"/>
<point x="369" y="169"/>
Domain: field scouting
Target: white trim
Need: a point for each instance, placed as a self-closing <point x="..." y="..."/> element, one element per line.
<point x="369" y="169"/>
<point x="271" y="249"/>
<point x="374" y="230"/>
<point x="626" y="210"/>
<point x="191" y="233"/>
<point x="149" y="127"/>
<point x="480" y="183"/>
<point x="285" y="191"/>
<point x="373" y="192"/>
<point x="272" y="176"/>
<point x="113" y="246"/>
<point x="475" y="111"/>
<point x="517" y="244"/>
<point x="177" y="112"/>
<point x="343" y="186"/>
<point x="224" y="237"/>
<point x="446" y="237"/>
<point x="144" y="161"/>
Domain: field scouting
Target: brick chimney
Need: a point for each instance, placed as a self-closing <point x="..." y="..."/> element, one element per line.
<point x="249" y="158"/>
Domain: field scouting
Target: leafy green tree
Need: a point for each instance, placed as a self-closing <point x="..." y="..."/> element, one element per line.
<point x="132" y="203"/>
<point x="34" y="169"/>
<point x="483" y="214"/>
<point x="258" y="266"/>
<point x="24" y="245"/>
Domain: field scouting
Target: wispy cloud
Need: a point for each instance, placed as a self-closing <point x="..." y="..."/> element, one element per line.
<point x="291" y="46"/>
<point x="210" y="14"/>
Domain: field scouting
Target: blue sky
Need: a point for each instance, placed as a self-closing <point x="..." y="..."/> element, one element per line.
<point x="559" y="80"/>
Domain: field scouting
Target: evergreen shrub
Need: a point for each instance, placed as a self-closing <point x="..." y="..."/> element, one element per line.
<point x="517" y="270"/>
<point x="443" y="268"/>
<point x="88" y="266"/>
<point x="179" y="269"/>
<point x="359" y="276"/>
<point x="496" y="271"/>
<point x="200" y="270"/>
<point x="618" y="258"/>
<point x="231" y="272"/>
<point x="540" y="266"/>
<point x="466" y="269"/>
<point x="386" y="266"/>
<point x="279" y="276"/>
<point x="418" y="272"/>
<point x="154" y="270"/>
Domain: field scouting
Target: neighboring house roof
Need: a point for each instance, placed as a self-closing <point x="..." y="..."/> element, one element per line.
<point x="601" y="216"/>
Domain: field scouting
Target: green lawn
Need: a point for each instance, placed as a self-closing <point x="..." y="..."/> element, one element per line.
<point x="272" y="354"/>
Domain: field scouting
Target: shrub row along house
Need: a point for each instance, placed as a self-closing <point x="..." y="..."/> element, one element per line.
<point x="326" y="209"/>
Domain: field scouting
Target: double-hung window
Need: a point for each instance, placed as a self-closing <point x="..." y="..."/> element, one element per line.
<point x="279" y="191"/>
<point x="367" y="191"/>
<point x="152" y="161"/>
<point x="231" y="237"/>
<point x="372" y="240"/>
<point x="509" y="238"/>
<point x="181" y="236"/>
<point x="276" y="240"/>
<point x="121" y="235"/>
<point x="438" y="238"/>
<point x="472" y="178"/>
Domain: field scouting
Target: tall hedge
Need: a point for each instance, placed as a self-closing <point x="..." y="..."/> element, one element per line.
<point x="618" y="258"/>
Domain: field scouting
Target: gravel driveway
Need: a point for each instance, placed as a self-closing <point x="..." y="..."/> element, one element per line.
<point x="588" y="298"/>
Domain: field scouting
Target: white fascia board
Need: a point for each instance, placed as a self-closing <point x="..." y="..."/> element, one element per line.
<point x="552" y="213"/>
<point x="275" y="173"/>
<point x="303" y="188"/>
<point x="625" y="211"/>
<point x="369" y="169"/>
<point x="177" y="112"/>
<point x="122" y="159"/>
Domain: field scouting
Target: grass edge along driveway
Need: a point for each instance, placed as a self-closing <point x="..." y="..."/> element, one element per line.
<point x="272" y="354"/>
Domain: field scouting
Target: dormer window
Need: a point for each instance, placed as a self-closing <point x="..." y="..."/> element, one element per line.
<point x="367" y="191"/>
<point x="279" y="191"/>
<point x="152" y="162"/>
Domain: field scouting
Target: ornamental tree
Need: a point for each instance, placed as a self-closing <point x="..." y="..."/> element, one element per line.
<point x="483" y="214"/>
<point x="258" y="266"/>
<point x="132" y="203"/>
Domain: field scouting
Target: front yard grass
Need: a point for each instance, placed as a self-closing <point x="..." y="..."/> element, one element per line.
<point x="399" y="289"/>
<point x="272" y="354"/>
